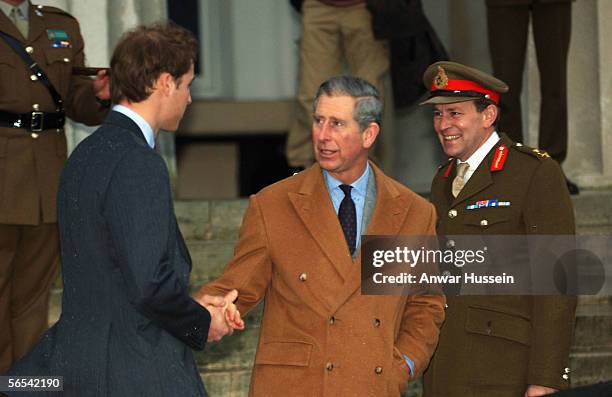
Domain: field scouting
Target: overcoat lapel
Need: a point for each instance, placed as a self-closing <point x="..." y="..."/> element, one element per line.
<point x="314" y="207"/>
<point x="388" y="217"/>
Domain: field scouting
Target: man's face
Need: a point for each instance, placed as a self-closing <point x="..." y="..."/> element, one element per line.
<point x="179" y="97"/>
<point x="461" y="128"/>
<point x="340" y="148"/>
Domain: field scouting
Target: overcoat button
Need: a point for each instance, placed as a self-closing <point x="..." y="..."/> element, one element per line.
<point x="566" y="370"/>
<point x="33" y="77"/>
<point x="303" y="277"/>
<point x="484" y="222"/>
<point x="36" y="107"/>
<point x="34" y="135"/>
<point x="378" y="370"/>
<point x="66" y="60"/>
<point x="565" y="376"/>
<point x="329" y="366"/>
<point x="452" y="213"/>
<point x="29" y="49"/>
<point x="376" y="323"/>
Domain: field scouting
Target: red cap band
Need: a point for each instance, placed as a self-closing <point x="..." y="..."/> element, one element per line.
<point x="467" y="85"/>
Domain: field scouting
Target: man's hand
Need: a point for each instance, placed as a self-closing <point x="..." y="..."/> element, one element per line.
<point x="102" y="85"/>
<point x="535" y="390"/>
<point x="225" y="317"/>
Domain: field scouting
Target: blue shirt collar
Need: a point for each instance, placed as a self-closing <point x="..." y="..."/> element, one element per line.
<point x="145" y="128"/>
<point x="360" y="185"/>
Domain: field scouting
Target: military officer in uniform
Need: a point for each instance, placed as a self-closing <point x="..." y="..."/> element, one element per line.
<point x="32" y="154"/>
<point x="503" y="346"/>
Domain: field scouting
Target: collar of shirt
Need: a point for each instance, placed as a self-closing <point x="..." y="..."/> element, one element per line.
<point x="480" y="154"/>
<point x="24" y="7"/>
<point x="358" y="193"/>
<point x="145" y="128"/>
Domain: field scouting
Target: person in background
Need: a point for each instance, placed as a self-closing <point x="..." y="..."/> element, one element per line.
<point x="34" y="103"/>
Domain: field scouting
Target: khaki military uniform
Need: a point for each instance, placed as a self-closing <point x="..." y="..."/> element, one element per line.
<point x="498" y="345"/>
<point x="30" y="166"/>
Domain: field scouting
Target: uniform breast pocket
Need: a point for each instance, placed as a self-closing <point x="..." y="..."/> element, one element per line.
<point x="488" y="220"/>
<point x="59" y="67"/>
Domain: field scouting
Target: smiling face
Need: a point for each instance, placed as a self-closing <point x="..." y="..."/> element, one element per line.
<point x="461" y="128"/>
<point x="340" y="147"/>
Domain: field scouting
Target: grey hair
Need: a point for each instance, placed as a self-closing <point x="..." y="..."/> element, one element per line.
<point x="368" y="106"/>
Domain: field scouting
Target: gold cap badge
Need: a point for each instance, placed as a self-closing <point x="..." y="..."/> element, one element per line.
<point x="441" y="79"/>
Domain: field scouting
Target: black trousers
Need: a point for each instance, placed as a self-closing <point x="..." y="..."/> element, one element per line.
<point x="507" y="30"/>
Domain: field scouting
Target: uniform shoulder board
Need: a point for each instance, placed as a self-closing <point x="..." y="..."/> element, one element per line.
<point x="51" y="10"/>
<point x="538" y="153"/>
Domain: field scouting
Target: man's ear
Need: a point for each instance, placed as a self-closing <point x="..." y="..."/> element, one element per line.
<point x="165" y="83"/>
<point x="369" y="135"/>
<point x="489" y="115"/>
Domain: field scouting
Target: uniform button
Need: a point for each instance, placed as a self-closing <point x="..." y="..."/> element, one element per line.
<point x="565" y="376"/>
<point x="446" y="306"/>
<point x="329" y="366"/>
<point x="378" y="370"/>
<point x="450" y="243"/>
<point x="303" y="277"/>
<point x="33" y="77"/>
<point x="66" y="60"/>
<point x="36" y="107"/>
<point x="519" y="144"/>
<point x="484" y="222"/>
<point x="452" y="213"/>
<point x="566" y="370"/>
<point x="39" y="7"/>
<point x="34" y="135"/>
<point x="332" y="320"/>
<point x="376" y="323"/>
<point x="29" y="49"/>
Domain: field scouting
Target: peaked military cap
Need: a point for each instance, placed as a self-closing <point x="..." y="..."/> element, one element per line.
<point x="451" y="82"/>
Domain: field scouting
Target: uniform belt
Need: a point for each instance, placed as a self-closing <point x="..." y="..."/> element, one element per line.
<point x="32" y="121"/>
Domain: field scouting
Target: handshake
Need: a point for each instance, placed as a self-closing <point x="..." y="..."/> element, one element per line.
<point x="224" y="316"/>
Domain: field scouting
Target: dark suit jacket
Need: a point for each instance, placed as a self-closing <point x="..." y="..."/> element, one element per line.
<point x="497" y="345"/>
<point x="319" y="335"/>
<point x="127" y="322"/>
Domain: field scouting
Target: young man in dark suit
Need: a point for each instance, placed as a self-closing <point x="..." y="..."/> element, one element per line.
<point x="128" y="322"/>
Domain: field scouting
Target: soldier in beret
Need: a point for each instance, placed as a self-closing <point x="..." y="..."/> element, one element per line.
<point x="32" y="154"/>
<point x="503" y="346"/>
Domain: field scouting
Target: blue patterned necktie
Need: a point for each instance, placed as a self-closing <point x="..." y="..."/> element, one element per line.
<point x="348" y="217"/>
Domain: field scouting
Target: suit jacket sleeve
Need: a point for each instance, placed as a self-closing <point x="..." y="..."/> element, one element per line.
<point x="143" y="239"/>
<point x="553" y="316"/>
<point x="250" y="269"/>
<point x="422" y="319"/>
